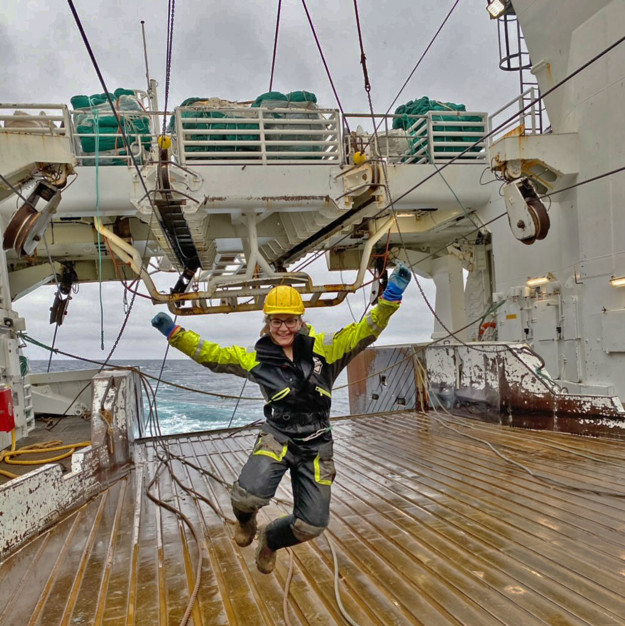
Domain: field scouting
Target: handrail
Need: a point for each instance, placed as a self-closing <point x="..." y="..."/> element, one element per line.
<point x="262" y="136"/>
<point x="528" y="123"/>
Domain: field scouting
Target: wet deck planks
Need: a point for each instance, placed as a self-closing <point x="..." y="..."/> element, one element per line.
<point x="431" y="526"/>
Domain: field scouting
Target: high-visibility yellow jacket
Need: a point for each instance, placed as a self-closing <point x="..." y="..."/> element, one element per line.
<point x="298" y="392"/>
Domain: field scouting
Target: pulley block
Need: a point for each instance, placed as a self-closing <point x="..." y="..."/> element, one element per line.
<point x="527" y="215"/>
<point x="27" y="226"/>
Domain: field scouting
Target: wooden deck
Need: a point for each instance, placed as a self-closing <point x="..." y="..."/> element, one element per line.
<point x="430" y="526"/>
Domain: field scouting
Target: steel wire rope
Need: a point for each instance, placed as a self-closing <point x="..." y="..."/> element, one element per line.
<point x="537" y="475"/>
<point x="584" y="182"/>
<point x="287" y="586"/>
<point x="414" y="69"/>
<point x="608" y="459"/>
<point x="275" y="46"/>
<point x="166" y="462"/>
<point x="98" y="216"/>
<point x="476" y="143"/>
<point x="128" y="152"/>
<point x="349" y="306"/>
<point x="391" y="202"/>
<point x="459" y="422"/>
<point x="40" y="344"/>
<point x="236" y="406"/>
<point x="548" y="382"/>
<point x="325" y="65"/>
<point x="171" y="7"/>
<point x="141" y="179"/>
<point x="121" y="129"/>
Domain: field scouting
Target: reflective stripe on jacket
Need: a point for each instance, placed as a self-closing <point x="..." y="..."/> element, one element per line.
<point x="298" y="392"/>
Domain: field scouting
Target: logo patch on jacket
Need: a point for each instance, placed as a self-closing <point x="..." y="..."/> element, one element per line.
<point x="317" y="365"/>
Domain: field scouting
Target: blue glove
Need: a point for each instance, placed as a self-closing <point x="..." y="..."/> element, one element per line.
<point x="397" y="284"/>
<point x="163" y="323"/>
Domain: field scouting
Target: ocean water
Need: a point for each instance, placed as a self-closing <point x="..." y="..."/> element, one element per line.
<point x="182" y="411"/>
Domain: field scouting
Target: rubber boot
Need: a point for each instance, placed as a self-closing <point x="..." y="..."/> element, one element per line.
<point x="265" y="556"/>
<point x="245" y="532"/>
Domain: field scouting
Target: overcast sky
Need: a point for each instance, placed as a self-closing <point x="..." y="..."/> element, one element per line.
<point x="223" y="48"/>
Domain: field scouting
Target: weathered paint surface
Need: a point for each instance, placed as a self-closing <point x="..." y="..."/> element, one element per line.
<point x="489" y="380"/>
<point x="508" y="379"/>
<point x="37" y="499"/>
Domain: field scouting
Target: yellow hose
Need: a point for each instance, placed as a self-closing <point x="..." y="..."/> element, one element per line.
<point x="38" y="448"/>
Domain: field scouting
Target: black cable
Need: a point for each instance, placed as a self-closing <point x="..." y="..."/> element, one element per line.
<point x="56" y="328"/>
<point x="14" y="189"/>
<point x="414" y="69"/>
<point x="336" y="95"/>
<point x="168" y="54"/>
<point x="363" y="57"/>
<point x="473" y="145"/>
<point x="236" y="406"/>
<point x="275" y="45"/>
<point x="584" y="182"/>
<point x="173" y="242"/>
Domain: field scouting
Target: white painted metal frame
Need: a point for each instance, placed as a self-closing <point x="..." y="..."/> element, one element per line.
<point x="528" y="122"/>
<point x="305" y="136"/>
<point x="56" y="122"/>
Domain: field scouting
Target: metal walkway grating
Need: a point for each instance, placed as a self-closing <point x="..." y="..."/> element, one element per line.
<point x="430" y="527"/>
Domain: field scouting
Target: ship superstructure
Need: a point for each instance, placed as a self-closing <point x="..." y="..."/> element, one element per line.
<point x="233" y="198"/>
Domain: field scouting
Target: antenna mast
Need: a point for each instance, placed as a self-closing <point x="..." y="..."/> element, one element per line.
<point x="151" y="82"/>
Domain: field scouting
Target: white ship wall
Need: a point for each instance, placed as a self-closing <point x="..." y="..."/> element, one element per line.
<point x="578" y="328"/>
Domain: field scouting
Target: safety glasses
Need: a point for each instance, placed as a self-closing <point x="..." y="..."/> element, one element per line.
<point x="290" y="323"/>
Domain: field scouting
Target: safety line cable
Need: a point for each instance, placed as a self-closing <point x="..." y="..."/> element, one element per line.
<point x="275" y="45"/>
<point x="97" y="212"/>
<point x="460" y="422"/>
<point x="173" y="241"/>
<point x="481" y="139"/>
<point x="363" y="57"/>
<point x="168" y="54"/>
<point x="414" y="69"/>
<point x="336" y="95"/>
<point x="537" y="475"/>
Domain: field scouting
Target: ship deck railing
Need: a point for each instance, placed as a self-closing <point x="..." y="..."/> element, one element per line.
<point x="523" y="115"/>
<point x="261" y="136"/>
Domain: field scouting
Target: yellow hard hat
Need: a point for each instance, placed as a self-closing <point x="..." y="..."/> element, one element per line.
<point x="283" y="299"/>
